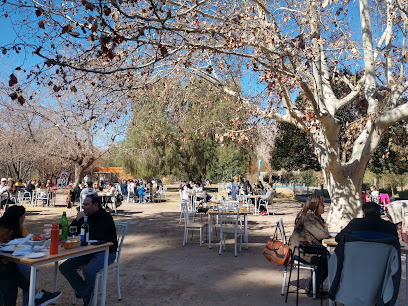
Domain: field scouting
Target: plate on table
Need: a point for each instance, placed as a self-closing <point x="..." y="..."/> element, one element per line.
<point x="12" y="248"/>
<point x="36" y="255"/>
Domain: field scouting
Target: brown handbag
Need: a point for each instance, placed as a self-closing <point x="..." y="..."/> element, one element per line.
<point x="277" y="252"/>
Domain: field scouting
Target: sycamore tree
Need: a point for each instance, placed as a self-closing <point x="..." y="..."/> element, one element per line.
<point x="291" y="47"/>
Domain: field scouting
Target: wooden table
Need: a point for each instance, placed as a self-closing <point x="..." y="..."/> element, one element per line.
<point x="257" y="199"/>
<point x="242" y="212"/>
<point x="63" y="254"/>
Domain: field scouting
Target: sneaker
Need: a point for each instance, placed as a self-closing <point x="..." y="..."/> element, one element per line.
<point x="44" y="297"/>
<point x="88" y="299"/>
<point x="320" y="294"/>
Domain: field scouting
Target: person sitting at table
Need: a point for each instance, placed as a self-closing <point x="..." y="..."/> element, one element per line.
<point x="270" y="193"/>
<point x="12" y="194"/>
<point x="371" y="226"/>
<point x="96" y="186"/>
<point x="86" y="191"/>
<point x="101" y="227"/>
<point x="3" y="186"/>
<point x="12" y="275"/>
<point x="19" y="184"/>
<point x="30" y="188"/>
<point x="311" y="227"/>
<point x="374" y="194"/>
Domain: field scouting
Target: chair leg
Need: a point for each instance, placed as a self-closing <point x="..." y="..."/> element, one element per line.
<point x="219" y="252"/>
<point x="285" y="273"/>
<point x="74" y="299"/>
<point x="95" y="293"/>
<point x="185" y="237"/>
<point x="201" y="236"/>
<point x="240" y="243"/>
<point x="314" y="283"/>
<point x="235" y="244"/>
<point x="118" y="284"/>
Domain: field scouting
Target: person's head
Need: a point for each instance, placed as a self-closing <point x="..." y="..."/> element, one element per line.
<point x="96" y="185"/>
<point x="373" y="188"/>
<point x="371" y="209"/>
<point x="48" y="182"/>
<point x="3" y="181"/>
<point x="91" y="204"/>
<point x="20" y="180"/>
<point x="89" y="183"/>
<point x="236" y="178"/>
<point x="315" y="204"/>
<point x="33" y="182"/>
<point x="12" y="219"/>
<point x="269" y="186"/>
<point x="12" y="185"/>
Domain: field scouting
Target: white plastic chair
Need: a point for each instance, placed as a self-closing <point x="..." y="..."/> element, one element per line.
<point x="190" y="226"/>
<point x="121" y="229"/>
<point x="42" y="195"/>
<point x="24" y="195"/>
<point x="230" y="224"/>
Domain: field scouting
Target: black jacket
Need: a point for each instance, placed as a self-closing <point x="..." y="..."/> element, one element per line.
<point x="101" y="227"/>
<point x="368" y="224"/>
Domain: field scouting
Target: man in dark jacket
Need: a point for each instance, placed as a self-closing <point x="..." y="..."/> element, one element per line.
<point x="101" y="227"/>
<point x="371" y="226"/>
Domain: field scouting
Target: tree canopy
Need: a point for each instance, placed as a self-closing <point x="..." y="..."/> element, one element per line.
<point x="187" y="129"/>
<point x="288" y="46"/>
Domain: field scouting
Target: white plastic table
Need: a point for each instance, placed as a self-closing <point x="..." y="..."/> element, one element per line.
<point x="62" y="255"/>
<point x="242" y="212"/>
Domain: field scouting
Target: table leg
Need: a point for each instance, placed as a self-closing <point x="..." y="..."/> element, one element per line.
<point x="54" y="286"/>
<point x="246" y="231"/>
<point x="209" y="230"/>
<point x="104" y="277"/>
<point x="33" y="279"/>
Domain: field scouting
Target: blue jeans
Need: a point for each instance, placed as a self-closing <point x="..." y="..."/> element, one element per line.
<point x="141" y="198"/>
<point x="92" y="263"/>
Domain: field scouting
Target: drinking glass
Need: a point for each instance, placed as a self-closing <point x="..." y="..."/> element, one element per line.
<point x="72" y="231"/>
<point x="47" y="231"/>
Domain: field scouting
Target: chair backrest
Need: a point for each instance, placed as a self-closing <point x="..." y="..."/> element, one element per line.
<point x="186" y="210"/>
<point x="228" y="217"/>
<point x="121" y="229"/>
<point x="281" y="228"/>
<point x="366" y="273"/>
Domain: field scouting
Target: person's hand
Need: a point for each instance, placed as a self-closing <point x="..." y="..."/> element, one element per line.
<point x="80" y="215"/>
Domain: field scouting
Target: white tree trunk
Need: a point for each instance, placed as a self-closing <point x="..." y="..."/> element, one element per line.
<point x="345" y="195"/>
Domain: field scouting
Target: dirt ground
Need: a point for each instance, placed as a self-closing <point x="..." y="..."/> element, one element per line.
<point x="157" y="270"/>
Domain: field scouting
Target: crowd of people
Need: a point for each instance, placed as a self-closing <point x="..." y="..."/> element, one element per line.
<point x="10" y="190"/>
